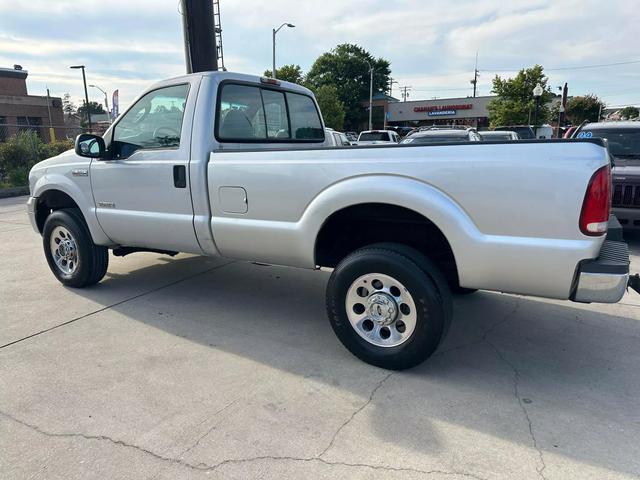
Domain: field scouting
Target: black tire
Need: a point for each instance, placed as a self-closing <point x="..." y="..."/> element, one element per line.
<point x="424" y="282"/>
<point x="93" y="260"/>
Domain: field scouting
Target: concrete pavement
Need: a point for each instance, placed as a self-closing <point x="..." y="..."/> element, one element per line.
<point x="190" y="367"/>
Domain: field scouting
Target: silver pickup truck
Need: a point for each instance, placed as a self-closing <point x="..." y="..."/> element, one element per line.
<point x="233" y="165"/>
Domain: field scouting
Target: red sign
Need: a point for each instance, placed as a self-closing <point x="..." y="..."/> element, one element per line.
<point x="435" y="108"/>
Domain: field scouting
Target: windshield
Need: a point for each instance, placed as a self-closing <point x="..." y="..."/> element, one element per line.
<point x="424" y="139"/>
<point x="623" y="142"/>
<point x="373" y="136"/>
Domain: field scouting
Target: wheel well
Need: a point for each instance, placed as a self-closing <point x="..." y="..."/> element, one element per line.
<point x="50" y="201"/>
<point x="360" y="225"/>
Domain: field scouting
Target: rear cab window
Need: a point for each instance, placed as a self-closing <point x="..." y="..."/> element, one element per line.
<point x="256" y="114"/>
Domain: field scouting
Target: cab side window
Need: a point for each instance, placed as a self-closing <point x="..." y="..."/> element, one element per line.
<point x="248" y="113"/>
<point x="154" y="121"/>
<point x="305" y="121"/>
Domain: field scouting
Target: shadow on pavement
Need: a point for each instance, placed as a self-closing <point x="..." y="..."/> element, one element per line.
<point x="570" y="370"/>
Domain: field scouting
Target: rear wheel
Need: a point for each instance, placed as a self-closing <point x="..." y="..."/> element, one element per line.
<point x="389" y="305"/>
<point x="71" y="254"/>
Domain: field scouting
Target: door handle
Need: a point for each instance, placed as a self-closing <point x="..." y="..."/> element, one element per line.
<point x="179" y="176"/>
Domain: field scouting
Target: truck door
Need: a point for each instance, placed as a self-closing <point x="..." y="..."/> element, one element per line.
<point x="141" y="190"/>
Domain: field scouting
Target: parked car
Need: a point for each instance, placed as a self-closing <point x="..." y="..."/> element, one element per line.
<point x="369" y="137"/>
<point x="623" y="139"/>
<point x="336" y="139"/>
<point x="402" y="131"/>
<point x="352" y="136"/>
<point x="524" y="131"/>
<point x="241" y="173"/>
<point x="436" y="135"/>
<point x="496" y="135"/>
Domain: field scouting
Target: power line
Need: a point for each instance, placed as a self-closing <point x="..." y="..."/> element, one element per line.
<point x="556" y="69"/>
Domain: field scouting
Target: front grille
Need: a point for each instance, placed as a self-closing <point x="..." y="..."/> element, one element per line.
<point x="625" y="195"/>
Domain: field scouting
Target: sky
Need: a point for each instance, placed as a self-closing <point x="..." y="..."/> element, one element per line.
<point x="130" y="44"/>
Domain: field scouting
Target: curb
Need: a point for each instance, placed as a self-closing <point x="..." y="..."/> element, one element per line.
<point x="13" y="192"/>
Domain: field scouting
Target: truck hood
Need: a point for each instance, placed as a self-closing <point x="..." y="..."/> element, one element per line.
<point x="64" y="157"/>
<point x="59" y="162"/>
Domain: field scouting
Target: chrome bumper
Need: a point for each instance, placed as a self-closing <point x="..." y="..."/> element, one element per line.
<point x="31" y="211"/>
<point x="604" y="279"/>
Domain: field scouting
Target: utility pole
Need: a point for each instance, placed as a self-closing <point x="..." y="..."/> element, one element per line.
<point x="52" y="133"/>
<point x="201" y="53"/>
<point x="474" y="82"/>
<point x="370" y="95"/>
<point x="405" y="92"/>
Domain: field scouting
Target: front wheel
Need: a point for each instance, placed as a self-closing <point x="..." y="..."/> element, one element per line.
<point x="389" y="305"/>
<point x="71" y="254"/>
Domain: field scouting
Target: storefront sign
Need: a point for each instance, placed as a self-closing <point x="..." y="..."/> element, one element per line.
<point x="437" y="113"/>
<point x="434" y="108"/>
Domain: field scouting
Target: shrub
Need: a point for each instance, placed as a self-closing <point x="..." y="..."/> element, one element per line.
<point x="22" y="151"/>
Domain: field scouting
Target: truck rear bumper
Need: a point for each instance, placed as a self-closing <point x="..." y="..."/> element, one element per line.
<point x="604" y="279"/>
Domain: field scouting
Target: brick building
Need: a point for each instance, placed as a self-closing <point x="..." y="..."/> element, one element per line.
<point x="20" y="111"/>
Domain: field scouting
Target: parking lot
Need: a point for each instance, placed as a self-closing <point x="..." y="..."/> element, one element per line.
<point x="189" y="367"/>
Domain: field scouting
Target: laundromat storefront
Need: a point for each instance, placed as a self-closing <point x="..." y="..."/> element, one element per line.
<point x="470" y="111"/>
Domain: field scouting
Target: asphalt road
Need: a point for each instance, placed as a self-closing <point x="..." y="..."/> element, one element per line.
<point x="187" y="367"/>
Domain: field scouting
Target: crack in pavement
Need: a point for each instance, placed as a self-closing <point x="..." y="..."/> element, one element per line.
<point x="516" y="390"/>
<point x="46" y="330"/>
<point x="482" y="339"/>
<point x="206" y="434"/>
<point x="353" y="415"/>
<point x="204" y="467"/>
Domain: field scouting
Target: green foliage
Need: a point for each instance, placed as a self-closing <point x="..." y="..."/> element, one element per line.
<point x="515" y="98"/>
<point x="332" y="108"/>
<point x="629" y="112"/>
<point x="288" y="73"/>
<point x="22" y="151"/>
<point x="94" y="107"/>
<point x="345" y="68"/>
<point x="583" y="108"/>
<point x="68" y="107"/>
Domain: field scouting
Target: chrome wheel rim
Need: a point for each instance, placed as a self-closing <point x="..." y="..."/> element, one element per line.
<point x="381" y="310"/>
<point x="64" y="250"/>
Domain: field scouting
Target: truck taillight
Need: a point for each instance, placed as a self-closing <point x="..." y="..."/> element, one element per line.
<point x="596" y="207"/>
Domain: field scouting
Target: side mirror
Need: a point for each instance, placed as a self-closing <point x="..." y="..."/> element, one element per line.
<point x="90" y="146"/>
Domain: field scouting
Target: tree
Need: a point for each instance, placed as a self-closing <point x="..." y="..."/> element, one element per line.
<point x="628" y="113"/>
<point x="587" y="107"/>
<point x="331" y="107"/>
<point x="515" y="104"/>
<point x="345" y="68"/>
<point x="68" y="106"/>
<point x="288" y="73"/>
<point x="94" y="107"/>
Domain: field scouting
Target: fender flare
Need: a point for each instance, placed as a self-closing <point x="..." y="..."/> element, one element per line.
<point x="420" y="197"/>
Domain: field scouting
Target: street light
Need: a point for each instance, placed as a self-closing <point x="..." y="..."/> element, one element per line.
<point x="86" y="94"/>
<point x="370" y="94"/>
<point x="106" y="101"/>
<point x="537" y="93"/>
<point x="276" y="30"/>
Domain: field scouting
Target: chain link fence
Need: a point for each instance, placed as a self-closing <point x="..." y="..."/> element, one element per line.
<point x="46" y="133"/>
